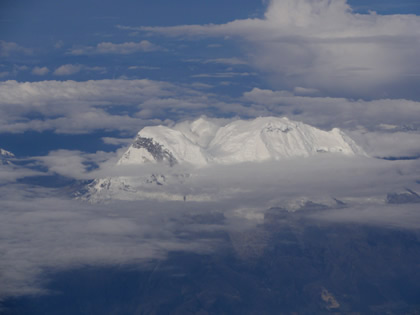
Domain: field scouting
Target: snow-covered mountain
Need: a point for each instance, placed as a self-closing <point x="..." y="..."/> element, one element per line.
<point x="205" y="142"/>
<point x="5" y="157"/>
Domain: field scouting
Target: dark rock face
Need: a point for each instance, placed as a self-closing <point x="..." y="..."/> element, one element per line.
<point x="159" y="153"/>
<point x="278" y="130"/>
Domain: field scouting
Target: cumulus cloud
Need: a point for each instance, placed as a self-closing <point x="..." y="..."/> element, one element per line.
<point x="324" y="45"/>
<point x="119" y="49"/>
<point x="40" y="70"/>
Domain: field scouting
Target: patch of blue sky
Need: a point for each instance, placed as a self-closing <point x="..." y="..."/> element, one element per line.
<point x="33" y="143"/>
<point x="386" y="6"/>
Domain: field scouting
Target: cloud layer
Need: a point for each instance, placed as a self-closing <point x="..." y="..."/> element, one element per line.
<point x="79" y="107"/>
<point x="128" y="105"/>
<point x="323" y="44"/>
<point x="40" y="229"/>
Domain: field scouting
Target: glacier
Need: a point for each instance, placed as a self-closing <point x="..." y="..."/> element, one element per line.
<point x="207" y="142"/>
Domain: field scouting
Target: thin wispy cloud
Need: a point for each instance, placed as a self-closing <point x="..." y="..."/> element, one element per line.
<point x="70" y="69"/>
<point x="40" y="71"/>
<point x="9" y="48"/>
<point x="118" y="49"/>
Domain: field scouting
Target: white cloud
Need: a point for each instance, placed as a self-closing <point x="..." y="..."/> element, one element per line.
<point x="143" y="68"/>
<point x="351" y="179"/>
<point x="40" y="70"/>
<point x="389" y="144"/>
<point x="304" y="91"/>
<point x="79" y="107"/>
<point x="328" y="112"/>
<point x="227" y="61"/>
<point x="117" y="141"/>
<point x="68" y="69"/>
<point x="128" y="105"/>
<point x="112" y="48"/>
<point x="75" y="164"/>
<point x="222" y="75"/>
<point x="8" y="48"/>
<point x="322" y="44"/>
<point x="94" y="92"/>
<point x="39" y="231"/>
<point x="11" y="173"/>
